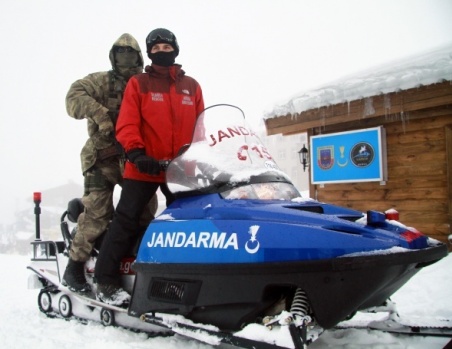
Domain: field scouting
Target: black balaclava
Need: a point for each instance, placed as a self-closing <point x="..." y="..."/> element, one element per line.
<point x="164" y="59"/>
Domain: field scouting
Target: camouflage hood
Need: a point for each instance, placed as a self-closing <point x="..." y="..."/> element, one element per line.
<point x="126" y="40"/>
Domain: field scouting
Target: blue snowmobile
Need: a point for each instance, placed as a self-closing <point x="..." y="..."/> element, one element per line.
<point x="240" y="252"/>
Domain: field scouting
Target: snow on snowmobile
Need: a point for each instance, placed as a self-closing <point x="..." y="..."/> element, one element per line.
<point x="239" y="257"/>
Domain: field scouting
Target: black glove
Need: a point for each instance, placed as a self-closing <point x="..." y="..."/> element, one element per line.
<point x="144" y="163"/>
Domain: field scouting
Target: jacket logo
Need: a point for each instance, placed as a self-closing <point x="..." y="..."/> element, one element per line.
<point x="157" y="97"/>
<point x="187" y="92"/>
<point x="187" y="100"/>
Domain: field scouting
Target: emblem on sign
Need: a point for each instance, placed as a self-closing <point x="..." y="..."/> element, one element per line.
<point x="341" y="162"/>
<point x="325" y="156"/>
<point x="362" y="154"/>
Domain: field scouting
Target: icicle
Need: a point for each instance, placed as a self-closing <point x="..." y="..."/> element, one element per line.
<point x="387" y="105"/>
<point x="368" y="107"/>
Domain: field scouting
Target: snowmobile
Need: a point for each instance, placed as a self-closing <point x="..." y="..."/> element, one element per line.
<point x="240" y="257"/>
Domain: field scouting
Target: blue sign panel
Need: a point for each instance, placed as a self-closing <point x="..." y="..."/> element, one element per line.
<point x="354" y="156"/>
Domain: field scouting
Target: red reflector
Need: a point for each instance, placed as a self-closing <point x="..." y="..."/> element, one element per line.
<point x="411" y="235"/>
<point x="392" y="215"/>
<point x="37" y="197"/>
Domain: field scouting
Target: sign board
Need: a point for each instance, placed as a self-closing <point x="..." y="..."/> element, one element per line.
<point x="353" y="156"/>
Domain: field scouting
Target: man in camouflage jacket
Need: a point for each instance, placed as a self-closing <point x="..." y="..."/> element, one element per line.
<point x="97" y="98"/>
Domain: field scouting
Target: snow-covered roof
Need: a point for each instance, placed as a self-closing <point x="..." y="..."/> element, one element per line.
<point x="424" y="69"/>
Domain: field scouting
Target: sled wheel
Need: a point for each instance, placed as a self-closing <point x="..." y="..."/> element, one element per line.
<point x="45" y="302"/>
<point x="65" y="306"/>
<point x="107" y="317"/>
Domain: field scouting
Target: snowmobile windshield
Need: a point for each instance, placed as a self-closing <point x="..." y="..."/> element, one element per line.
<point x="227" y="156"/>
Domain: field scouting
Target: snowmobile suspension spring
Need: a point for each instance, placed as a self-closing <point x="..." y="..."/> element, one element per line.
<point x="300" y="303"/>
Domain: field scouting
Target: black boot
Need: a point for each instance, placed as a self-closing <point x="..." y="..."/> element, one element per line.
<point x="74" y="277"/>
<point x="113" y="295"/>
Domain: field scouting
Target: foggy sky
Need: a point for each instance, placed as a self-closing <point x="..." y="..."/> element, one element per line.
<point x="251" y="53"/>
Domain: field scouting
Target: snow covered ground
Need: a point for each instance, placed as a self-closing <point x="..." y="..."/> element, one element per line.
<point x="22" y="325"/>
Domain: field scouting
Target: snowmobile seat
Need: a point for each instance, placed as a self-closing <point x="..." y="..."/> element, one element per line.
<point x="57" y="248"/>
<point x="74" y="208"/>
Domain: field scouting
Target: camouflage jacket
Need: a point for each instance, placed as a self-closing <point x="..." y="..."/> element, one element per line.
<point x="97" y="98"/>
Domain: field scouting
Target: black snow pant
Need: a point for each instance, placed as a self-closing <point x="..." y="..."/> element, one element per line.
<point x="125" y="228"/>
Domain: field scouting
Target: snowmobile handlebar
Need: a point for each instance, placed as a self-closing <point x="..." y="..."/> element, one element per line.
<point x="164" y="164"/>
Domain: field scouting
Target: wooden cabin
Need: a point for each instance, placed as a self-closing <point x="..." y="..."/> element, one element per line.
<point x="418" y="124"/>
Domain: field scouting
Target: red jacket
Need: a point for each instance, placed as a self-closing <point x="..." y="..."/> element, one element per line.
<point x="158" y="113"/>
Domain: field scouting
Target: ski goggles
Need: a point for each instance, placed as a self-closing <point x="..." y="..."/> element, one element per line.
<point x="124" y="49"/>
<point x="160" y="35"/>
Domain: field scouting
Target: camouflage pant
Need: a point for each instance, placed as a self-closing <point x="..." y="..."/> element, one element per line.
<point x="98" y="201"/>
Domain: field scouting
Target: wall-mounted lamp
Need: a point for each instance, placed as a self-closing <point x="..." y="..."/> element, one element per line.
<point x="303" y="154"/>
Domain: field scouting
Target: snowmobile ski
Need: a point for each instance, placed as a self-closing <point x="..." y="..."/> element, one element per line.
<point x="394" y="326"/>
<point x="213" y="336"/>
<point x="397" y="327"/>
<point x="392" y="322"/>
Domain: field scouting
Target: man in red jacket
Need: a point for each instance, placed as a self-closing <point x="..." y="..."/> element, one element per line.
<point x="157" y="117"/>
